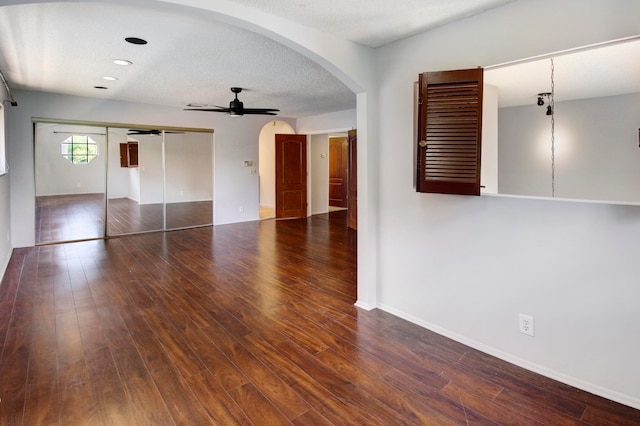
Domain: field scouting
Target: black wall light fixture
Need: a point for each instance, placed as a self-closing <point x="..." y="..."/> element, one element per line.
<point x="545" y="98"/>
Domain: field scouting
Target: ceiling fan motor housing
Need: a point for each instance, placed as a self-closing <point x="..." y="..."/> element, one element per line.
<point x="236" y="107"/>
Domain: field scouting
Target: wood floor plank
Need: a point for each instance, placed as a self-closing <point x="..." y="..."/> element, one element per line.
<point x="41" y="404"/>
<point x="87" y="398"/>
<point x="258" y="409"/>
<point x="311" y="418"/>
<point x="222" y="409"/>
<point x="446" y="410"/>
<point x="409" y="407"/>
<point x="341" y="387"/>
<point x="218" y="364"/>
<point x="324" y="401"/>
<point x="249" y="323"/>
<point x="178" y="396"/>
<point x="501" y="414"/>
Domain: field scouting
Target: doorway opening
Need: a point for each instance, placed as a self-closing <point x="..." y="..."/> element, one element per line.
<point x="330" y="157"/>
<point x="267" y="165"/>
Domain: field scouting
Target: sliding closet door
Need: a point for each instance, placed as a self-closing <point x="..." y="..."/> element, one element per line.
<point x="188" y="179"/>
<point x="135" y="182"/>
<point x="70" y="168"/>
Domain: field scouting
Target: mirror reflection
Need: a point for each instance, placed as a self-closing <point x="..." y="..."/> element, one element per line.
<point x="189" y="179"/>
<point x="135" y="202"/>
<point x="154" y="180"/>
<point x="70" y="182"/>
<point x="594" y="128"/>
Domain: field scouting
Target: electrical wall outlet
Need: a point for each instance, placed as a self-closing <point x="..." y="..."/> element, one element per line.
<point x="526" y="324"/>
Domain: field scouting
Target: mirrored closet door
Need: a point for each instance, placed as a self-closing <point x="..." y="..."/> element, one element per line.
<point x="136" y="189"/>
<point x="70" y="182"/>
<point x="188" y="179"/>
<point x="139" y="179"/>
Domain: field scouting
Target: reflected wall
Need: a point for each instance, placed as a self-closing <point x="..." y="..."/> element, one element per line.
<point x="154" y="180"/>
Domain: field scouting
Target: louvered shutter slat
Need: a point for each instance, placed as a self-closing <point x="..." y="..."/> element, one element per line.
<point x="450" y="113"/>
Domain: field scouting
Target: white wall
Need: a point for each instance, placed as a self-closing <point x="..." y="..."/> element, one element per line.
<point x="489" y="159"/>
<point x="326" y="123"/>
<point x="150" y="169"/>
<point x="5" y="224"/>
<point x="56" y="175"/>
<point x="189" y="167"/>
<point x="189" y="161"/>
<point x="134" y="184"/>
<point x="597" y="155"/>
<point x="5" y="211"/>
<point x="467" y="266"/>
<point x="118" y="177"/>
<point x="319" y="173"/>
<point x="267" y="160"/>
<point x="3" y="149"/>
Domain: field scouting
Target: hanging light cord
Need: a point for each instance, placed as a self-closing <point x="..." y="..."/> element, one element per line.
<point x="553" y="133"/>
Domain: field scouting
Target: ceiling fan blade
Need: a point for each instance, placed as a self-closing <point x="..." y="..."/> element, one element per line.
<point x="142" y="132"/>
<point x="218" y="109"/>
<point x="236" y="108"/>
<point x="259" y="112"/>
<point x="154" y="132"/>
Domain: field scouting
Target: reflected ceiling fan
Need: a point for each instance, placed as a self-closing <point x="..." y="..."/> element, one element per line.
<point x="236" y="108"/>
<point x="153" y="132"/>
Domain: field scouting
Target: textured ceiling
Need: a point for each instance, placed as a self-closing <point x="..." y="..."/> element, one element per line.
<point x="68" y="47"/>
<point x="373" y="22"/>
<point x="191" y="59"/>
<point x="187" y="60"/>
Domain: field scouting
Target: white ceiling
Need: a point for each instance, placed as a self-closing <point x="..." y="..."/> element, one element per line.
<point x="68" y="47"/>
<point x="590" y="72"/>
<point x="373" y="22"/>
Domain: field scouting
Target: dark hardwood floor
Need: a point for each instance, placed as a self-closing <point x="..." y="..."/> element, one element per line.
<point x="249" y="323"/>
<point x="62" y="218"/>
<point x="69" y="217"/>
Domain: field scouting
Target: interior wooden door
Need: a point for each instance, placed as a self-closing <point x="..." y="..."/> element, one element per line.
<point x="338" y="179"/>
<point x="291" y="176"/>
<point x="352" y="205"/>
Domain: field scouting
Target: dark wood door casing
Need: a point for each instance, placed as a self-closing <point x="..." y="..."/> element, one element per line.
<point x="352" y="205"/>
<point x="291" y="176"/>
<point x="338" y="179"/>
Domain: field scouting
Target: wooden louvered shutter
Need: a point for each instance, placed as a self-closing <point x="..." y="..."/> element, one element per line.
<point x="449" y="132"/>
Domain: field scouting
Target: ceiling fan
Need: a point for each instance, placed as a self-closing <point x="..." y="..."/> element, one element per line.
<point x="236" y="108"/>
<point x="153" y="132"/>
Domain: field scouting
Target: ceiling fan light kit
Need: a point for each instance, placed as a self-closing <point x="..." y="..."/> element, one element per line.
<point x="236" y="107"/>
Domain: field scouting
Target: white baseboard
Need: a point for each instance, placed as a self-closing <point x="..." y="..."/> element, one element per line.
<point x="3" y="266"/>
<point x="536" y="368"/>
<point x="365" y="306"/>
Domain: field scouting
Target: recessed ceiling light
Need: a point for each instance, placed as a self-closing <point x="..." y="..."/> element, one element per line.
<point x="110" y="78"/>
<point x="135" y="40"/>
<point x="122" y="62"/>
<point x="100" y="87"/>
